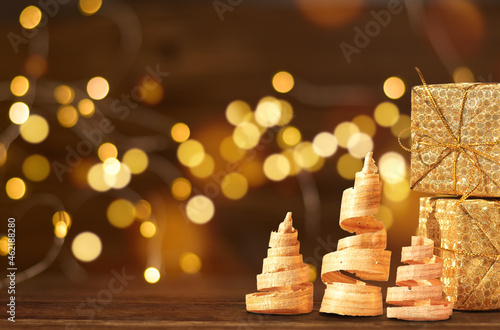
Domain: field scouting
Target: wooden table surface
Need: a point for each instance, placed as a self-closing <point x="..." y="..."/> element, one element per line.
<point x="193" y="302"/>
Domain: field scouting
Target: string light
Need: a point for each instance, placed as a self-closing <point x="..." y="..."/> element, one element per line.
<point x="190" y="263"/>
<point x="30" y="17"/>
<point x="97" y="88"/>
<point x="181" y="189"/>
<point x="392" y="167"/>
<point x="305" y="156"/>
<point x="107" y="150"/>
<point x="36" y="168"/>
<point x="89" y="7"/>
<point x="289" y="136"/>
<point x="234" y="186"/>
<point x="180" y="132"/>
<point x="67" y="116"/>
<point x="142" y="209"/>
<point x="86" y="108"/>
<point x="463" y="74"/>
<point x="152" y="275"/>
<point x="347" y="166"/>
<point x="147" y="229"/>
<point x="394" y="87"/>
<point x="19" y="113"/>
<point x="286" y="113"/>
<point x="237" y="111"/>
<point x="121" y="213"/>
<point x="205" y="168"/>
<point x="230" y="151"/>
<point x="386" y="114"/>
<point x="86" y="246"/>
<point x="359" y="145"/>
<point x="95" y="178"/>
<point x="136" y="160"/>
<point x="365" y="124"/>
<point x="35" y="129"/>
<point x="385" y="214"/>
<point x="246" y="135"/>
<point x="268" y="112"/>
<point x="200" y="209"/>
<point x="19" y="86"/>
<point x="276" y="167"/>
<point x="15" y="188"/>
<point x="283" y="82"/>
<point x="325" y="144"/>
<point x="403" y="122"/>
<point x="190" y="153"/>
<point x="64" y="94"/>
<point x="344" y="131"/>
<point x="4" y="246"/>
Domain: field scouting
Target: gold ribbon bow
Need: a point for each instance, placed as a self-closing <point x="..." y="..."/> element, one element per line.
<point x="457" y="146"/>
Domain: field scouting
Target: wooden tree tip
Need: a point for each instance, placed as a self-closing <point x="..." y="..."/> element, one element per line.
<point x="369" y="166"/>
<point x="287" y="225"/>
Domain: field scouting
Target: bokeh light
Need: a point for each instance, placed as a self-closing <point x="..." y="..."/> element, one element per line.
<point x="276" y="167"/>
<point x="180" y="132"/>
<point x="181" y="189"/>
<point x="35" y="129"/>
<point x="152" y="275"/>
<point x="30" y="17"/>
<point x="347" y="166"/>
<point x="86" y="108"/>
<point x="4" y="246"/>
<point x="19" y="85"/>
<point x="190" y="153"/>
<point x="200" y="209"/>
<point x="67" y="116"/>
<point x="396" y="192"/>
<point x="403" y="122"/>
<point x="61" y="216"/>
<point x="365" y="124"/>
<point x="136" y="160"/>
<point x="237" y="111"/>
<point x="89" y="7"/>
<point x="147" y="229"/>
<point x="234" y="186"/>
<point x="305" y="156"/>
<point x="15" y="188"/>
<point x="392" y="167"/>
<point x="86" y="246"/>
<point x="119" y="180"/>
<point x="205" y="168"/>
<point x="253" y="172"/>
<point x="386" y="114"/>
<point x="121" y="213"/>
<point x="394" y="87"/>
<point x="268" y="112"/>
<point x="330" y="14"/>
<point x="289" y="136"/>
<point x="283" y="82"/>
<point x="107" y="150"/>
<point x="313" y="273"/>
<point x="190" y="263"/>
<point x="60" y="229"/>
<point x="344" y="131"/>
<point x="359" y="145"/>
<point x="385" y="215"/>
<point x="325" y="144"/>
<point x="64" y="94"/>
<point x="36" y="168"/>
<point x="246" y="135"/>
<point x="286" y="113"/>
<point x="151" y="91"/>
<point x="19" y="113"/>
<point x="95" y="178"/>
<point x="97" y="88"/>
<point x="294" y="168"/>
<point x="142" y="209"/>
<point x="111" y="166"/>
<point x="463" y="74"/>
<point x="230" y="151"/>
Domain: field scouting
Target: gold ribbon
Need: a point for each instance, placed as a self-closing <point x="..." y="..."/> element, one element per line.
<point x="470" y="254"/>
<point x="456" y="146"/>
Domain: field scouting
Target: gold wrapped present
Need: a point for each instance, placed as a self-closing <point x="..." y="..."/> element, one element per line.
<point x="467" y="237"/>
<point x="455" y="139"/>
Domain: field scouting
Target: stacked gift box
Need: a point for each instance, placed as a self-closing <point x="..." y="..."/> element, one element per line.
<point x="456" y="152"/>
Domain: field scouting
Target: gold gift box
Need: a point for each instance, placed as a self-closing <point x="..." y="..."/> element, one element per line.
<point x="456" y="139"/>
<point x="467" y="237"/>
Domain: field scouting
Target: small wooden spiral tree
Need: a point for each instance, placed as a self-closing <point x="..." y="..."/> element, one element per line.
<point x="284" y="281"/>
<point x="420" y="291"/>
<point x="363" y="254"/>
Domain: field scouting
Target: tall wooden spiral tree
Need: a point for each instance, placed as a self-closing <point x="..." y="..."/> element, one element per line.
<point x="420" y="291"/>
<point x="363" y="255"/>
<point x="284" y="281"/>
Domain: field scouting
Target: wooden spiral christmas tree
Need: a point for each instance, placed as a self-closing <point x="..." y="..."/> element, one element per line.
<point x="285" y="277"/>
<point x="363" y="254"/>
<point x="420" y="290"/>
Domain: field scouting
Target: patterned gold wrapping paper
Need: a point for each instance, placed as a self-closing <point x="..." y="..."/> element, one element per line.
<point x="456" y="139"/>
<point x="467" y="237"/>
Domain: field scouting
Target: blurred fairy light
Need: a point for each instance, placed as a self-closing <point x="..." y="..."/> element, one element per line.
<point x="180" y="132"/>
<point x="365" y="124"/>
<point x="386" y="114"/>
<point x="230" y="151"/>
<point x="136" y="160"/>
<point x="61" y="216"/>
<point x="286" y="113"/>
<point x="152" y="92"/>
<point x="330" y="14"/>
<point x="305" y="156"/>
<point x="347" y="166"/>
<point x="119" y="180"/>
<point x="152" y="275"/>
<point x="35" y="129"/>
<point x="86" y="108"/>
<point x="394" y="88"/>
<point x="313" y="273"/>
<point x="205" y="168"/>
<point x="234" y="186"/>
<point x="95" y="178"/>
<point x="60" y="229"/>
<point x="463" y="74"/>
<point x="254" y="173"/>
<point x="30" y="17"/>
<point x="89" y="7"/>
<point x="19" y="86"/>
<point x="67" y="116"/>
<point x="36" y="167"/>
<point x="97" y="88"/>
<point x="344" y="131"/>
<point x="200" y="209"/>
<point x="86" y="246"/>
<point x="268" y="111"/>
<point x="385" y="215"/>
<point x="147" y="229"/>
<point x="19" y="113"/>
<point x="276" y="167"/>
<point x="181" y="189"/>
<point x="317" y="166"/>
<point x="4" y="246"/>
<point x="294" y="168"/>
<point x="246" y="135"/>
<point x="237" y="111"/>
<point x="403" y="122"/>
<point x="392" y="167"/>
<point x="190" y="263"/>
<point x="396" y="192"/>
<point x="325" y="144"/>
<point x="64" y="94"/>
<point x="359" y="145"/>
<point x="121" y="213"/>
<point x="142" y="209"/>
<point x="283" y="82"/>
<point x="107" y="150"/>
<point x="15" y="188"/>
<point x="111" y="166"/>
<point x="190" y="153"/>
<point x="289" y="136"/>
